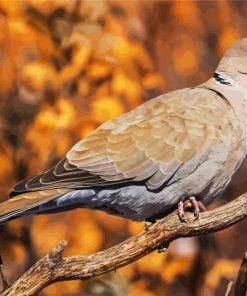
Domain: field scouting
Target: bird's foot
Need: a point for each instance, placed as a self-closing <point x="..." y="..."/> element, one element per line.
<point x="197" y="206"/>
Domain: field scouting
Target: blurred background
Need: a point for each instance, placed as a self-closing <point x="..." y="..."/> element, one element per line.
<point x="66" y="67"/>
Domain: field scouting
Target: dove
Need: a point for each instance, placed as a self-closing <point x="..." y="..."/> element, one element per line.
<point x="181" y="146"/>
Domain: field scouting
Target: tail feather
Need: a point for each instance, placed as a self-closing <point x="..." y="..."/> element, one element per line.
<point x="18" y="205"/>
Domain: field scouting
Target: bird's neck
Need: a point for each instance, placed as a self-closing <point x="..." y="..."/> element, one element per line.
<point x="233" y="91"/>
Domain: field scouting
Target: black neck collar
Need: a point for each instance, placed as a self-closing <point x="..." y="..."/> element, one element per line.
<point x="221" y="79"/>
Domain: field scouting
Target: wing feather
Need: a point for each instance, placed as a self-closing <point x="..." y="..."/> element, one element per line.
<point x="150" y="144"/>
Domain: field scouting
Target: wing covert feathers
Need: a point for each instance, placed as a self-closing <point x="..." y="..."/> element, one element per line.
<point x="148" y="144"/>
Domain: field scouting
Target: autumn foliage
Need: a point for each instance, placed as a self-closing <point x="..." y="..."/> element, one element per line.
<point x="68" y="66"/>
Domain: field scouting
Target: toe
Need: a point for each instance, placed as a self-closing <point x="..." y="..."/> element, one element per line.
<point x="201" y="206"/>
<point x="195" y="205"/>
<point x="196" y="214"/>
<point x="181" y="211"/>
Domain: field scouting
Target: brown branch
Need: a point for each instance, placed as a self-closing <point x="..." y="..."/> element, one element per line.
<point x="229" y="288"/>
<point x="53" y="267"/>
<point x="2" y="275"/>
<point x="241" y="283"/>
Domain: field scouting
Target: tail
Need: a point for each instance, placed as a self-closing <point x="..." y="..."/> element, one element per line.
<point x="19" y="205"/>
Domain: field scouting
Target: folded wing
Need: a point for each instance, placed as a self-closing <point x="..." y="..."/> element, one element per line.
<point x="154" y="143"/>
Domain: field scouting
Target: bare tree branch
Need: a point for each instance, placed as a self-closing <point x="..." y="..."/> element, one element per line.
<point x="229" y="288"/>
<point x="241" y="283"/>
<point x="54" y="268"/>
<point x="2" y="275"/>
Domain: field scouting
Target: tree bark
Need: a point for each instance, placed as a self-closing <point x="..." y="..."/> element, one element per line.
<point x="54" y="268"/>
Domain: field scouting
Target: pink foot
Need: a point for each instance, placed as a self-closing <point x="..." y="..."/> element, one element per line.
<point x="197" y="206"/>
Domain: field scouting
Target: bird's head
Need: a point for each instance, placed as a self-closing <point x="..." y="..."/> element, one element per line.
<point x="232" y="68"/>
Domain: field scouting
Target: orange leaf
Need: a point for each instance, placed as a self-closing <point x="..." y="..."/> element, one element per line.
<point x="38" y="74"/>
<point x="106" y="107"/>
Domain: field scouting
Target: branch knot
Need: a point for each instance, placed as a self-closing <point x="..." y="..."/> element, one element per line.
<point x="55" y="255"/>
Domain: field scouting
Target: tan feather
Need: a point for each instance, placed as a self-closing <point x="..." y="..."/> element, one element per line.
<point x="184" y="125"/>
<point x="27" y="201"/>
<point x="164" y="132"/>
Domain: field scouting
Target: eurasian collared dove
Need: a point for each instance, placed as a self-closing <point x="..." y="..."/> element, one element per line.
<point x="186" y="144"/>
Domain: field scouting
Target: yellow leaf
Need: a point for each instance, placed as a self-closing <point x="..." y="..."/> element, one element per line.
<point x="106" y="107"/>
<point x="152" y="81"/>
<point x="47" y="6"/>
<point x="111" y="223"/>
<point x="153" y="262"/>
<point x="186" y="11"/>
<point x="83" y="87"/>
<point x="223" y="268"/>
<point x="28" y="39"/>
<point x="19" y="253"/>
<point x="62" y="116"/>
<point x="63" y="288"/>
<point x="140" y="288"/>
<point x="45" y="225"/>
<point x="87" y="237"/>
<point x="81" y="55"/>
<point x="87" y="127"/>
<point x="135" y="227"/>
<point x="93" y="10"/>
<point x="6" y="154"/>
<point x="99" y="70"/>
<point x="12" y="8"/>
<point x="123" y="85"/>
<point x="176" y="267"/>
<point x="39" y="74"/>
<point x="49" y="130"/>
<point x="122" y="49"/>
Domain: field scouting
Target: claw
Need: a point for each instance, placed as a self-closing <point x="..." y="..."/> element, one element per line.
<point x="197" y="206"/>
<point x="181" y="211"/>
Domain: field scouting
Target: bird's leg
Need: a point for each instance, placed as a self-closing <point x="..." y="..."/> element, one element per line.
<point x="181" y="211"/>
<point x="197" y="206"/>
